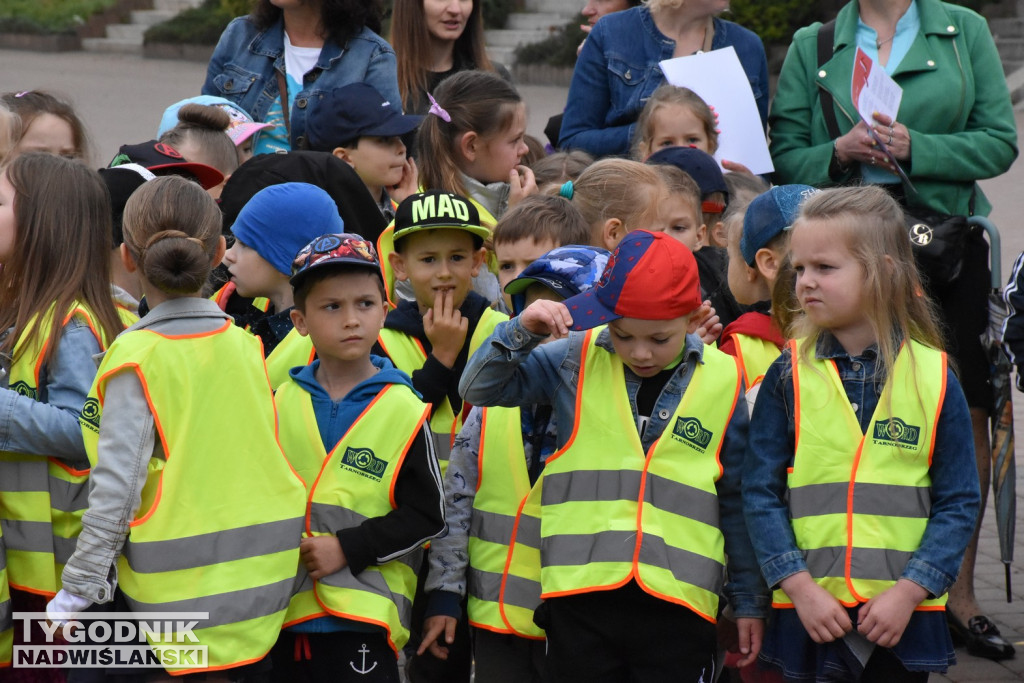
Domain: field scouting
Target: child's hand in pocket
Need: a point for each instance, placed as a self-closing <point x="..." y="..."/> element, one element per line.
<point x="883" y="618"/>
<point x="322" y="556"/>
<point x="823" y="617"/>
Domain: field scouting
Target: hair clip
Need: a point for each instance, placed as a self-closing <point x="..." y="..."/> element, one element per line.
<point x="437" y="110"/>
<point x="566" y="190"/>
<point x="22" y="93"/>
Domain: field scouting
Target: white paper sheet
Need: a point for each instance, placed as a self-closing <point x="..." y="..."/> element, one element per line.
<point x="719" y="79"/>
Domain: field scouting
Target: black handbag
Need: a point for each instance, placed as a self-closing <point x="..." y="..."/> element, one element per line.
<point x="937" y="239"/>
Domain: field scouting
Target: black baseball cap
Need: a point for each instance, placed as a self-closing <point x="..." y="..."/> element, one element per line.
<point x="162" y="159"/>
<point x="437" y="209"/>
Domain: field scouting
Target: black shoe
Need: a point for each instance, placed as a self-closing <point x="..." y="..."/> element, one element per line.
<point x="981" y="637"/>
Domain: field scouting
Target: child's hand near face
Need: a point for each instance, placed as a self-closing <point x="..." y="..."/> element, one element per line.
<point x="322" y="556"/>
<point x="705" y="324"/>
<point x="523" y="184"/>
<point x="824" y="617"/>
<point x="409" y="184"/>
<point x="445" y="328"/>
<point x="883" y="618"/>
<point x="545" y="317"/>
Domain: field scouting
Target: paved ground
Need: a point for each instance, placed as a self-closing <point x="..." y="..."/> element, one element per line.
<point x="121" y="99"/>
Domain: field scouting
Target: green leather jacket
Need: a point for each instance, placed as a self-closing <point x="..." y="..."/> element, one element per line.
<point x="955" y="104"/>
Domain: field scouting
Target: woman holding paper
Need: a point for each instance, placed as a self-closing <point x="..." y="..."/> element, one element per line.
<point x="954" y="126"/>
<point x="617" y="69"/>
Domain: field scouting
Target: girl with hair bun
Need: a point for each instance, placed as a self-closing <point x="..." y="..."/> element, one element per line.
<point x="181" y="405"/>
<point x="201" y="135"/>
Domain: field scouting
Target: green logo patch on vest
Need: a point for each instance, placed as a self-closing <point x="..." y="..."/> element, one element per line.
<point x="363" y="462"/>
<point x="90" y="417"/>
<point x="24" y="389"/>
<point x="690" y="431"/>
<point x="896" y="432"/>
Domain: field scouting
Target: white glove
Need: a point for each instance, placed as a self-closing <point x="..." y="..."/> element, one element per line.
<point x="67" y="605"/>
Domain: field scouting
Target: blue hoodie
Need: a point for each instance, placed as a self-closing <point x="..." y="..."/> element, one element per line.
<point x="334" y="418"/>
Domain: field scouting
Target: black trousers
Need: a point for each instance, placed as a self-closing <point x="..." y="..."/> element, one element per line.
<point x="626" y="636"/>
<point x="338" y="657"/>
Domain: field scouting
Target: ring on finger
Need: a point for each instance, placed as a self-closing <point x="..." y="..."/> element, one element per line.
<point x="890" y="140"/>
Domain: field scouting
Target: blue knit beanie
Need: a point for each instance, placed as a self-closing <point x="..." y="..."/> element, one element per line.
<point x="281" y="219"/>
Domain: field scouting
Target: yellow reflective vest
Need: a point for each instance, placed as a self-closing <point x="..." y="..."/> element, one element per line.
<point x="6" y="621"/>
<point x="292" y="351"/>
<point x="408" y="355"/>
<point x="220" y="520"/>
<point x="755" y="356"/>
<point x="42" y="500"/>
<point x="502" y="484"/>
<point x="610" y="513"/>
<point x="353" y="483"/>
<point x="859" y="503"/>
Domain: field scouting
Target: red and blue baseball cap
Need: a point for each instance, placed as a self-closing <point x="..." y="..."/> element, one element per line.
<point x="649" y="276"/>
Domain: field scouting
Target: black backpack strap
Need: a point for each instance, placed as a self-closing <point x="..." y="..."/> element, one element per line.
<point x="826" y="38"/>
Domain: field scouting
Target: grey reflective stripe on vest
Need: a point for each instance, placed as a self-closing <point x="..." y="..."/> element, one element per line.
<point x="217" y="547"/>
<point x="491" y="526"/>
<point x="22" y="475"/>
<point x="888" y="500"/>
<point x="374" y="582"/>
<point x="867" y="563"/>
<point x="442" y="444"/>
<point x="519" y="592"/>
<point x="483" y="585"/>
<point x="5" y="615"/>
<point x="332" y="518"/>
<point x="579" y="549"/>
<point x="33" y="477"/>
<point x="686" y="566"/>
<point x="682" y="499"/>
<point x="227" y="608"/>
<point x="528" y="533"/>
<point x="37" y="537"/>
<point x="590" y="486"/>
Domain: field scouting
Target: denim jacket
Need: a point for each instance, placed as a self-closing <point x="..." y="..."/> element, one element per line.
<point x="510" y="369"/>
<point x="245" y="64"/>
<point x="49" y="426"/>
<point x="617" y="72"/>
<point x="955" y="495"/>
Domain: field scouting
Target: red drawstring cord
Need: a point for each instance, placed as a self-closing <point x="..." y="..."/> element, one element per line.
<point x="302" y="649"/>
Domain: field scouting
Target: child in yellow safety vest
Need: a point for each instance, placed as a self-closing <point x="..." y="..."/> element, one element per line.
<point x="757" y="240"/>
<point x="480" y="511"/>
<point x="635" y="513"/>
<point x="859" y="486"/>
<point x="355" y="431"/>
<point x="188" y="477"/>
<point x="56" y="312"/>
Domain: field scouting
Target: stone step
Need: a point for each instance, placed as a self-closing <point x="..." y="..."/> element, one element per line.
<point x="536" y="21"/>
<point x="1011" y="49"/>
<point x="1006" y="28"/>
<point x="115" y="45"/>
<point x="511" y="38"/>
<point x="502" y="55"/>
<point x="176" y="5"/>
<point x="151" y="17"/>
<point x="126" y="32"/>
<point x="567" y="8"/>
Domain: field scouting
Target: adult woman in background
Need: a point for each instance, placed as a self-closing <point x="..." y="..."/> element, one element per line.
<point x="435" y="39"/>
<point x="955" y="126"/>
<point x="617" y="69"/>
<point x="301" y="48"/>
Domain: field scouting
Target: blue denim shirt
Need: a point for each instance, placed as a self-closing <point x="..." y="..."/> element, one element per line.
<point x="49" y="426"/>
<point x="955" y="494"/>
<point x="617" y="72"/>
<point x="245" y="64"/>
<point x="510" y="369"/>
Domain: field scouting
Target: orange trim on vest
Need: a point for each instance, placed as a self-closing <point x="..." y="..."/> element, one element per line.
<point x="579" y="401"/>
<point x="505" y="574"/>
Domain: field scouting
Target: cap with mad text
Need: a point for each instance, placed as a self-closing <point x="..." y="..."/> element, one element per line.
<point x="437" y="209"/>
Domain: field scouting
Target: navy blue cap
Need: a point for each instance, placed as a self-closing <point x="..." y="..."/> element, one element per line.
<point x="769" y="214"/>
<point x="566" y="271"/>
<point x="354" y="111"/>
<point x="700" y="165"/>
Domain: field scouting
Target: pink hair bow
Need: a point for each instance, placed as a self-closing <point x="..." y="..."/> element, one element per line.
<point x="437" y="110"/>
